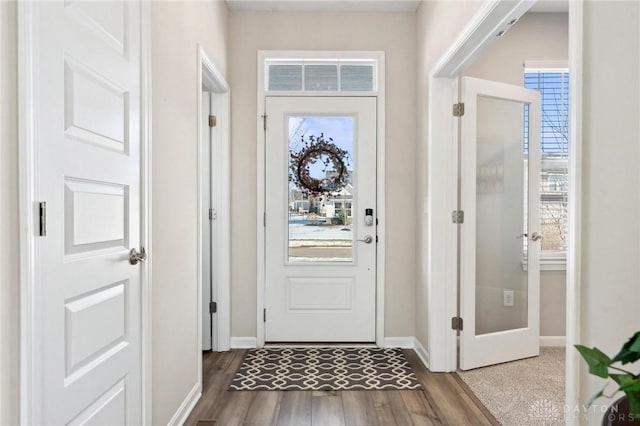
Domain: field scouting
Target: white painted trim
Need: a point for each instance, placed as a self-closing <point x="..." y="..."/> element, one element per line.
<point x="399" y="342"/>
<point x="263" y="55"/>
<point x="572" y="369"/>
<point x="146" y="101"/>
<point x="422" y="353"/>
<point x="552" y="341"/>
<point x="244" y="343"/>
<point x="28" y="176"/>
<point x="183" y="411"/>
<point x="442" y="235"/>
<point x="209" y="75"/>
<point x="493" y="17"/>
<point x="261" y="201"/>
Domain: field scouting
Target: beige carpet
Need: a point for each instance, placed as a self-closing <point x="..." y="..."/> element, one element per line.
<point x="525" y="392"/>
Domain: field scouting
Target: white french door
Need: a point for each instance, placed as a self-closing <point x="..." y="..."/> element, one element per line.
<point x="87" y="295"/>
<point x="320" y="219"/>
<point x="499" y="239"/>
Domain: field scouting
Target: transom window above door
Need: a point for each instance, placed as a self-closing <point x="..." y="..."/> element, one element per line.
<point x="321" y="75"/>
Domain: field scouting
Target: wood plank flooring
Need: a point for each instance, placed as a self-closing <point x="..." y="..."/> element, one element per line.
<point x="445" y="400"/>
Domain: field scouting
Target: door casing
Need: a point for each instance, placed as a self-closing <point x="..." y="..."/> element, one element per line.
<point x="264" y="55"/>
<point x="212" y="79"/>
<point x="28" y="179"/>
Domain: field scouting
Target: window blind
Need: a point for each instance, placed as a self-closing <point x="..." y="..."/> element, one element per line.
<point x="324" y="76"/>
<point x="554" y="149"/>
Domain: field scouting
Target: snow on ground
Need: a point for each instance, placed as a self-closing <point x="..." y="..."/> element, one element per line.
<point x="308" y="232"/>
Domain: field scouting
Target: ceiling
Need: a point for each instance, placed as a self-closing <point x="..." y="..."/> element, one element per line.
<point x="550" y="6"/>
<point x="363" y="5"/>
<point x="326" y="5"/>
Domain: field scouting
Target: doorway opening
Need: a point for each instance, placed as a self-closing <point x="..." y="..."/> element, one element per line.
<point x="468" y="56"/>
<point x="213" y="209"/>
<point x="321" y="214"/>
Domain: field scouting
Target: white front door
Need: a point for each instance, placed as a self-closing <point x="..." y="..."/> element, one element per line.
<point x="320" y="219"/>
<point x="87" y="74"/>
<point x="500" y="247"/>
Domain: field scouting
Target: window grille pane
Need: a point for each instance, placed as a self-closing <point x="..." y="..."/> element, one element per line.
<point x="356" y="78"/>
<point x="554" y="148"/>
<point x="285" y="77"/>
<point x="320" y="77"/>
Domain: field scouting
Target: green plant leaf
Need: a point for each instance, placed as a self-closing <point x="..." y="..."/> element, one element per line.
<point x="597" y="360"/>
<point x="630" y="351"/>
<point x="621" y="379"/>
<point x="632" y="385"/>
<point x="634" y="403"/>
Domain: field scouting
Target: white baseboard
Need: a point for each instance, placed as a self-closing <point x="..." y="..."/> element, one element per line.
<point x="553" y="341"/>
<point x="180" y="417"/>
<point x="422" y="352"/>
<point x="244" y="342"/>
<point x="408" y="343"/>
<point x="399" y="342"/>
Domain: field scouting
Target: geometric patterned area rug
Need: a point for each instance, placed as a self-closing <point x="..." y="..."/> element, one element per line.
<point x="326" y="368"/>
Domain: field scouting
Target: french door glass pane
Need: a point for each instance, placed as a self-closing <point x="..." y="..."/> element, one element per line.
<point x="501" y="279"/>
<point x="321" y="188"/>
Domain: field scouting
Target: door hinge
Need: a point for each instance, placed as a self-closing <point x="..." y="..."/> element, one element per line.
<point x="42" y="211"/>
<point x="213" y="120"/>
<point x="457" y="216"/>
<point x="264" y="315"/>
<point x="264" y="121"/>
<point x="458" y="109"/>
<point x="456" y="323"/>
<point x="213" y="215"/>
<point x="213" y="307"/>
<point x="264" y="219"/>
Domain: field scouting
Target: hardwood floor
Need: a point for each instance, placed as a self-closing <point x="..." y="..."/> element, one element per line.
<point x="445" y="400"/>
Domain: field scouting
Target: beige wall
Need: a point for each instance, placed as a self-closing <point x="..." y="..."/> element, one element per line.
<point x="536" y="36"/>
<point x="438" y="24"/>
<point x="393" y="33"/>
<point x="177" y="28"/>
<point x="610" y="257"/>
<point x="9" y="279"/>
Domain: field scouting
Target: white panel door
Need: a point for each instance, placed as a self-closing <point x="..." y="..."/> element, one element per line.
<point x="88" y="125"/>
<point x="500" y="242"/>
<point x="320" y="242"/>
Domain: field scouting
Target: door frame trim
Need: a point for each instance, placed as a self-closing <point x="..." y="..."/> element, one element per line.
<point x="262" y="56"/>
<point x="210" y="76"/>
<point x="27" y="30"/>
<point x="442" y="273"/>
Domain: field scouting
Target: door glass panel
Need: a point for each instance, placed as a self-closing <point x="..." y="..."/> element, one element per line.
<point x="501" y="278"/>
<point x="321" y="189"/>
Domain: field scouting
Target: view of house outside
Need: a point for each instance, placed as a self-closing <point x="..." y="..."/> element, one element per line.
<point x="320" y="224"/>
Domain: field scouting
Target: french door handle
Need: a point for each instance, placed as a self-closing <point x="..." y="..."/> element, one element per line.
<point x="368" y="239"/>
<point x="536" y="237"/>
<point x="136" y="256"/>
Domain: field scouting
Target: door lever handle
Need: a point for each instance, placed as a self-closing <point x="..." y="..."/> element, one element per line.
<point x="536" y="237"/>
<point x="368" y="239"/>
<point x="135" y="256"/>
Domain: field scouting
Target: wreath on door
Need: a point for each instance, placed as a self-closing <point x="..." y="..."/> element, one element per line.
<point x="333" y="160"/>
